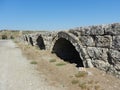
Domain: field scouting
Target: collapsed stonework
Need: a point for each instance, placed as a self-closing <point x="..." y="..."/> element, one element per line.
<point x="92" y="46"/>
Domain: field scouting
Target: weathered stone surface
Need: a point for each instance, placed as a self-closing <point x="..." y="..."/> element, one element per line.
<point x="89" y="63"/>
<point x="75" y="32"/>
<point x="103" y="41"/>
<point x="87" y="41"/>
<point x="112" y="29"/>
<point x="117" y="66"/>
<point x="97" y="53"/>
<point x="114" y="56"/>
<point x="93" y="30"/>
<point x="101" y="64"/>
<point x="85" y="31"/>
<point x="116" y="42"/>
<point x="97" y="30"/>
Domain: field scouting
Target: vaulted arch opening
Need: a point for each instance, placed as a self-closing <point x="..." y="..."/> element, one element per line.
<point x="31" y="41"/>
<point x="66" y="51"/>
<point x="40" y="43"/>
<point x="26" y="39"/>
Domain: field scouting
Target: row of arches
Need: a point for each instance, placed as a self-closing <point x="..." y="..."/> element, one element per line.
<point x="62" y="47"/>
<point x="39" y="41"/>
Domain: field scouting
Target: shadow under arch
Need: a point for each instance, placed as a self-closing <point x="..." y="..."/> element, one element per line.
<point x="26" y="39"/>
<point x="40" y="42"/>
<point x="31" y="41"/>
<point x="65" y="49"/>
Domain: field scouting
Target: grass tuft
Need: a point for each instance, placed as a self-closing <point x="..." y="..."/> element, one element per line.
<point x="33" y="62"/>
<point x="83" y="86"/>
<point x="52" y="60"/>
<point x="81" y="74"/>
<point x="60" y="64"/>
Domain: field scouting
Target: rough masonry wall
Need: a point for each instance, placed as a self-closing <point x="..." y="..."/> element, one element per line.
<point x="46" y="36"/>
<point x="102" y="44"/>
<point x="98" y="46"/>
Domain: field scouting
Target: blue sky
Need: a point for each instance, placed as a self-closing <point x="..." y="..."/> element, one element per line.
<point x="57" y="14"/>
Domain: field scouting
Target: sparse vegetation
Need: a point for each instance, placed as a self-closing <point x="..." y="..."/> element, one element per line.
<point x="37" y="47"/>
<point x="60" y="64"/>
<point x="86" y="85"/>
<point x="33" y="62"/>
<point x="97" y="87"/>
<point x="75" y="81"/>
<point x="52" y="60"/>
<point x="83" y="85"/>
<point x="81" y="74"/>
<point x="90" y="82"/>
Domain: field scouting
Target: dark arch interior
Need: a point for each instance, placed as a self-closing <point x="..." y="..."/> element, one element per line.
<point x="40" y="43"/>
<point x="31" y="42"/>
<point x="26" y="38"/>
<point x="66" y="51"/>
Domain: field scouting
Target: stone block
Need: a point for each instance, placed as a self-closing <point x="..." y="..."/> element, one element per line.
<point x="85" y="31"/>
<point x="87" y="41"/>
<point x="96" y="30"/>
<point x="113" y="29"/>
<point x="101" y="64"/>
<point x="114" y="56"/>
<point x="103" y="41"/>
<point x="116" y="42"/>
<point x="97" y="53"/>
<point x="74" y="32"/>
<point x="93" y="30"/>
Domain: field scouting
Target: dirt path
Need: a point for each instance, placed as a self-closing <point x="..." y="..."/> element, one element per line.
<point x="16" y="72"/>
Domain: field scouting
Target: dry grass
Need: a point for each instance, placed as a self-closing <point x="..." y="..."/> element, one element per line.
<point x="61" y="64"/>
<point x="66" y="74"/>
<point x="52" y="60"/>
<point x="83" y="85"/>
<point x="75" y="81"/>
<point x="90" y="82"/>
<point x="33" y="62"/>
<point x="81" y="74"/>
<point x="97" y="87"/>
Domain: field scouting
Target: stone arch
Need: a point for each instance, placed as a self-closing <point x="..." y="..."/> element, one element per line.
<point x="26" y="38"/>
<point x="40" y="42"/>
<point x="68" y="48"/>
<point x="31" y="41"/>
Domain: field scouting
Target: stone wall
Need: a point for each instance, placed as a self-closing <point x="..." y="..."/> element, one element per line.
<point x="46" y="36"/>
<point x="102" y="45"/>
<point x="98" y="46"/>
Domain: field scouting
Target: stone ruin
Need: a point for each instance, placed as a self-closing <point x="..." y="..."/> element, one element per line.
<point x="92" y="46"/>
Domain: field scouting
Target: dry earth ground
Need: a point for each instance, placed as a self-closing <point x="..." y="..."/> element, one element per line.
<point x="63" y="74"/>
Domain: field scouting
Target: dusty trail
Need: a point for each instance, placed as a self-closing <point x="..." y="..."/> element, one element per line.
<point x="16" y="72"/>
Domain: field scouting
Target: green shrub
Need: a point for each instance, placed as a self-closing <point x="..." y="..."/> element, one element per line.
<point x="33" y="62"/>
<point x="60" y="64"/>
<point x="4" y="37"/>
<point x="83" y="86"/>
<point x="52" y="60"/>
<point x="74" y="81"/>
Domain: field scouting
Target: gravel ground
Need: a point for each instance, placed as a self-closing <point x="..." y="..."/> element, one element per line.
<point x="16" y="72"/>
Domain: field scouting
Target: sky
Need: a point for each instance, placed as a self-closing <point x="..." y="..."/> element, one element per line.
<point x="57" y="14"/>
